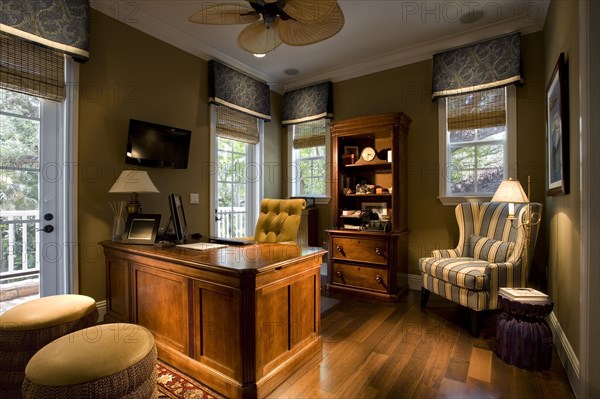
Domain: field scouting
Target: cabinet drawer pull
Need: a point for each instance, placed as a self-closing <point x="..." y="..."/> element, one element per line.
<point x="379" y="252"/>
<point x="380" y="281"/>
<point x="339" y="273"/>
<point x="340" y="249"/>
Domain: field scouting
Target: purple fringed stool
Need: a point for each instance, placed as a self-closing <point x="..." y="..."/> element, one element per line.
<point x="523" y="338"/>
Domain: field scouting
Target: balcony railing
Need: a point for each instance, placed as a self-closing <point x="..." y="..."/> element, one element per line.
<point x="20" y="244"/>
<point x="231" y="222"/>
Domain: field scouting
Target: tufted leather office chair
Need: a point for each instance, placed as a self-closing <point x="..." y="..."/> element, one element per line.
<point x="279" y="220"/>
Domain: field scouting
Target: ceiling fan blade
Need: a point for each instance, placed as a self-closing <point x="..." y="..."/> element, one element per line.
<point x="310" y="11"/>
<point x="257" y="38"/>
<point x="297" y="33"/>
<point x="225" y="14"/>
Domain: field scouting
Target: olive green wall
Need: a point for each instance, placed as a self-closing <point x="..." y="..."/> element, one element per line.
<point x="132" y="75"/>
<point x="561" y="35"/>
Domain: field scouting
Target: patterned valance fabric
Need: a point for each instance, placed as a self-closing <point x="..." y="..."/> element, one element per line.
<point x="236" y="90"/>
<point x="479" y="66"/>
<point x="307" y="104"/>
<point x="58" y="24"/>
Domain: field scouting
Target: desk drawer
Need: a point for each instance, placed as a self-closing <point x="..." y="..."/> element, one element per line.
<point x="361" y="249"/>
<point x="360" y="276"/>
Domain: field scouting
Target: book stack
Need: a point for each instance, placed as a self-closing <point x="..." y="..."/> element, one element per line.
<point x="523" y="294"/>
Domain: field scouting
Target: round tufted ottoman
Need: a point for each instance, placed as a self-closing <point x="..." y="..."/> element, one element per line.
<point x="28" y="327"/>
<point x="106" y="361"/>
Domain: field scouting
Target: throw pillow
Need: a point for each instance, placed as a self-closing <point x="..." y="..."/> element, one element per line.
<point x="493" y="251"/>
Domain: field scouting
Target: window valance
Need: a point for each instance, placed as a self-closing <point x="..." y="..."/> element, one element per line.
<point x="307" y="104"/>
<point x="236" y="90"/>
<point x="478" y="66"/>
<point x="57" y="24"/>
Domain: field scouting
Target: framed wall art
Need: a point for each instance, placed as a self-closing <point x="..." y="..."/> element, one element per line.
<point x="557" y="131"/>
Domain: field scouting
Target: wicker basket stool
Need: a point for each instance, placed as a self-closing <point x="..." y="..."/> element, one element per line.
<point x="28" y="327"/>
<point x="107" y="361"/>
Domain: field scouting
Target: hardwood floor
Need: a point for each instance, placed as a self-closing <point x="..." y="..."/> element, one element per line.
<point x="375" y="350"/>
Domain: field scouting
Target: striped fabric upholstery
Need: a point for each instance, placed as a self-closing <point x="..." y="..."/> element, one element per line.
<point x="486" y="248"/>
<point x="489" y="255"/>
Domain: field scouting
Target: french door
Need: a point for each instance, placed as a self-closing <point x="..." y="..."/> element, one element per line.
<point x="32" y="193"/>
<point x="236" y="185"/>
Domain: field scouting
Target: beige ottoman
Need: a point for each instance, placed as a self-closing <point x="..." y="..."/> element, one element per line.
<point x="106" y="361"/>
<point x="28" y="327"/>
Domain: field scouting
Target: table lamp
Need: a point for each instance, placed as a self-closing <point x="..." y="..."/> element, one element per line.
<point x="133" y="182"/>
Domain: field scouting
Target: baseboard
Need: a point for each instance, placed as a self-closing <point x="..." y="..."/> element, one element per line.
<point x="565" y="352"/>
<point x="101" y="305"/>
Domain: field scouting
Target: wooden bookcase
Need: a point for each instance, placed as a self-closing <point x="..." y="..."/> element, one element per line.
<point x="369" y="262"/>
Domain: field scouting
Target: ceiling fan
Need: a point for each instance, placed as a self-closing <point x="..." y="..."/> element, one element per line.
<point x="272" y="22"/>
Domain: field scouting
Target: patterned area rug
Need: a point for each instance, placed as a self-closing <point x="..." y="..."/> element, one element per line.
<point x="175" y="385"/>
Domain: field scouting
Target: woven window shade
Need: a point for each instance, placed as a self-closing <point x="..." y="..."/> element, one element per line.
<point x="29" y="68"/>
<point x="236" y="125"/>
<point x="477" y="110"/>
<point x="310" y="134"/>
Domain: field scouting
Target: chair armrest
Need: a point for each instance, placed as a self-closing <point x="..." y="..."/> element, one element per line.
<point x="445" y="253"/>
<point x="506" y="274"/>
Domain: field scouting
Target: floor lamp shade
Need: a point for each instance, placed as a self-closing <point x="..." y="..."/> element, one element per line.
<point x="512" y="192"/>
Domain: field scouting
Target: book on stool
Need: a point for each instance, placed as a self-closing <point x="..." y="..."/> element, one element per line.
<point x="523" y="293"/>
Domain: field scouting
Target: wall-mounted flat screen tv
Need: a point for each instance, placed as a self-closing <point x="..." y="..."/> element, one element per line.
<point x="157" y="146"/>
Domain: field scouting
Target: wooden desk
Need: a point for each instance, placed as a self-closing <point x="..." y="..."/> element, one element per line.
<point x="238" y="319"/>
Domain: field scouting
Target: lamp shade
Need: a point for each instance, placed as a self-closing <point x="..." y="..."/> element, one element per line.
<point x="510" y="191"/>
<point x="133" y="181"/>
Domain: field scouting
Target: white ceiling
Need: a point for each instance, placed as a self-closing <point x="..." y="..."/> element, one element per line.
<point x="377" y="35"/>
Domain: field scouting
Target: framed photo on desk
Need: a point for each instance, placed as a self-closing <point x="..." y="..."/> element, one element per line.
<point x="141" y="229"/>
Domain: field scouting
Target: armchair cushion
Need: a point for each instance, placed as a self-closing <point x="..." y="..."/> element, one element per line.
<point x="493" y="251"/>
<point x="463" y="272"/>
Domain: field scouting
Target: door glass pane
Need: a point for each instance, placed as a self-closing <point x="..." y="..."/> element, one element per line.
<point x="231" y="188"/>
<point x="20" y="124"/>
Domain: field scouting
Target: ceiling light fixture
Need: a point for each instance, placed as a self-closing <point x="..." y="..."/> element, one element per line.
<point x="259" y="55"/>
<point x="272" y="22"/>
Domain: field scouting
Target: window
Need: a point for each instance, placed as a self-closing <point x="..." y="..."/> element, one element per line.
<point x="309" y="155"/>
<point x="237" y="181"/>
<point x="477" y="143"/>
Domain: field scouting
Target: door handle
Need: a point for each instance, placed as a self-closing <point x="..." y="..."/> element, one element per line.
<point x="47" y="229"/>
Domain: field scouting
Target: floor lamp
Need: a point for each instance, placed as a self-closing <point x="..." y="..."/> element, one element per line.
<point x="512" y="192"/>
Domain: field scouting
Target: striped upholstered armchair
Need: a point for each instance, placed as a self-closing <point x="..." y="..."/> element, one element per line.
<point x="492" y="252"/>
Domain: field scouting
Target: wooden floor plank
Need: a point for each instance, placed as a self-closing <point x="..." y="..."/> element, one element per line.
<point x="377" y="350"/>
<point x="480" y="366"/>
<point x="358" y="382"/>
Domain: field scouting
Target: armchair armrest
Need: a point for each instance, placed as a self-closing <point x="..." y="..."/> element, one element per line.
<point x="445" y="253"/>
<point x="506" y="274"/>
